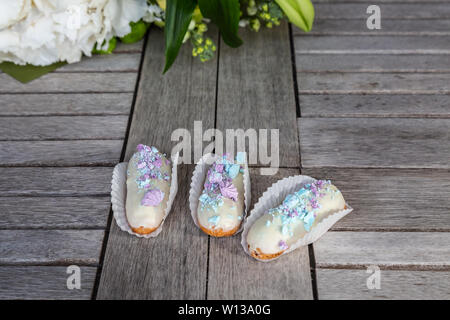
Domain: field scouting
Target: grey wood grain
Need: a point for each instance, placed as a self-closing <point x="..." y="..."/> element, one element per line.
<point x="418" y="250"/>
<point x="393" y="199"/>
<point x="28" y="247"/>
<point x="44" y="282"/>
<point x="379" y="105"/>
<point x="423" y="10"/>
<point x="394" y="285"/>
<point x="375" y="142"/>
<point x="360" y="83"/>
<point x="372" y="63"/>
<point x="172" y="265"/>
<point x="75" y="82"/>
<point x="255" y="89"/>
<point x="54" y="212"/>
<point x="127" y="62"/>
<point x="388" y="27"/>
<point x="372" y="45"/>
<point x="235" y="275"/>
<point x="65" y="104"/>
<point x="81" y="181"/>
<point x="62" y="128"/>
<point x="60" y="153"/>
<point x="136" y="47"/>
<point x="170" y="102"/>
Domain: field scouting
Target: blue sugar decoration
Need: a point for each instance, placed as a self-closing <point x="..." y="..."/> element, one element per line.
<point x="214" y="220"/>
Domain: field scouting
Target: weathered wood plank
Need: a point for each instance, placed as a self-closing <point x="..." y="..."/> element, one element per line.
<point x="128" y="62"/>
<point x="422" y="10"/>
<point x="60" y="153"/>
<point x="179" y="103"/>
<point x="55" y="181"/>
<point x="426" y="250"/>
<point x="235" y="275"/>
<point x="394" y="285"/>
<point x="73" y="82"/>
<point x="255" y="89"/>
<point x="37" y="282"/>
<point x="373" y="45"/>
<point x="172" y="265"/>
<point x="372" y="63"/>
<point x="62" y="128"/>
<point x="389" y="200"/>
<point x="54" y="212"/>
<point x="136" y="47"/>
<point x="375" y="142"/>
<point x="65" y="104"/>
<point x="380" y="105"/>
<point x="358" y="83"/>
<point x="28" y="247"/>
<point x="388" y="27"/>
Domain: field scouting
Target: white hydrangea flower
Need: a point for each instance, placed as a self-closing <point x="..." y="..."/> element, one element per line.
<point x="154" y="14"/>
<point x="42" y="32"/>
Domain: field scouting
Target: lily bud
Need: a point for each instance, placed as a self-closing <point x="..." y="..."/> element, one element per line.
<point x="299" y="12"/>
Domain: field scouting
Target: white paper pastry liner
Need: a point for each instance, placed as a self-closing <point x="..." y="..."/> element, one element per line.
<point x="198" y="180"/>
<point x="273" y="197"/>
<point x="119" y="195"/>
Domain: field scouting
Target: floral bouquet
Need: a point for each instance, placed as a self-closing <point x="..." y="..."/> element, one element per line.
<point x="38" y="36"/>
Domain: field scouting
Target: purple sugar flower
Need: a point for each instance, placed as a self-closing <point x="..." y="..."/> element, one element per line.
<point x="283" y="245"/>
<point x="152" y="198"/>
<point x="229" y="191"/>
<point x="158" y="163"/>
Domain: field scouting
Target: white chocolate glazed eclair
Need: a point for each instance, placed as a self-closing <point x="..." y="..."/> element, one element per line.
<point x="148" y="185"/>
<point x="280" y="227"/>
<point x="221" y="204"/>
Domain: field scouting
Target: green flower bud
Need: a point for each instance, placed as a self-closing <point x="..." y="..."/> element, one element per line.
<point x="111" y="46"/>
<point x="299" y="12"/>
<point x="138" y="30"/>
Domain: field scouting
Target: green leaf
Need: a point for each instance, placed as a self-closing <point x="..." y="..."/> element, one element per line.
<point x="28" y="72"/>
<point x="225" y="14"/>
<point x="138" y="31"/>
<point x="299" y="12"/>
<point x="178" y="17"/>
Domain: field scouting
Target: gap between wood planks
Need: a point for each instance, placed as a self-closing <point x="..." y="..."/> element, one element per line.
<point x="122" y="156"/>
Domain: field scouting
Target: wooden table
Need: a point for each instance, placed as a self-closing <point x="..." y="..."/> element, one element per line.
<point x="367" y="109"/>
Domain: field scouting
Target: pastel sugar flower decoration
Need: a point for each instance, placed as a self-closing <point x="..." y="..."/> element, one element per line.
<point x="233" y="170"/>
<point x="228" y="190"/>
<point x="283" y="245"/>
<point x="218" y="183"/>
<point x="291" y="201"/>
<point x="219" y="167"/>
<point x="215" y="177"/>
<point x="152" y="198"/>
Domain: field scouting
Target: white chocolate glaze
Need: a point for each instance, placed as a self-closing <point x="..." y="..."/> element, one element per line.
<point x="144" y="177"/>
<point x="221" y="205"/>
<point x="279" y="228"/>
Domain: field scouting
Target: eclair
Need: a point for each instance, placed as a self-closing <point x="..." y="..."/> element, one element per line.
<point x="281" y="227"/>
<point x="148" y="186"/>
<point x="221" y="204"/>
